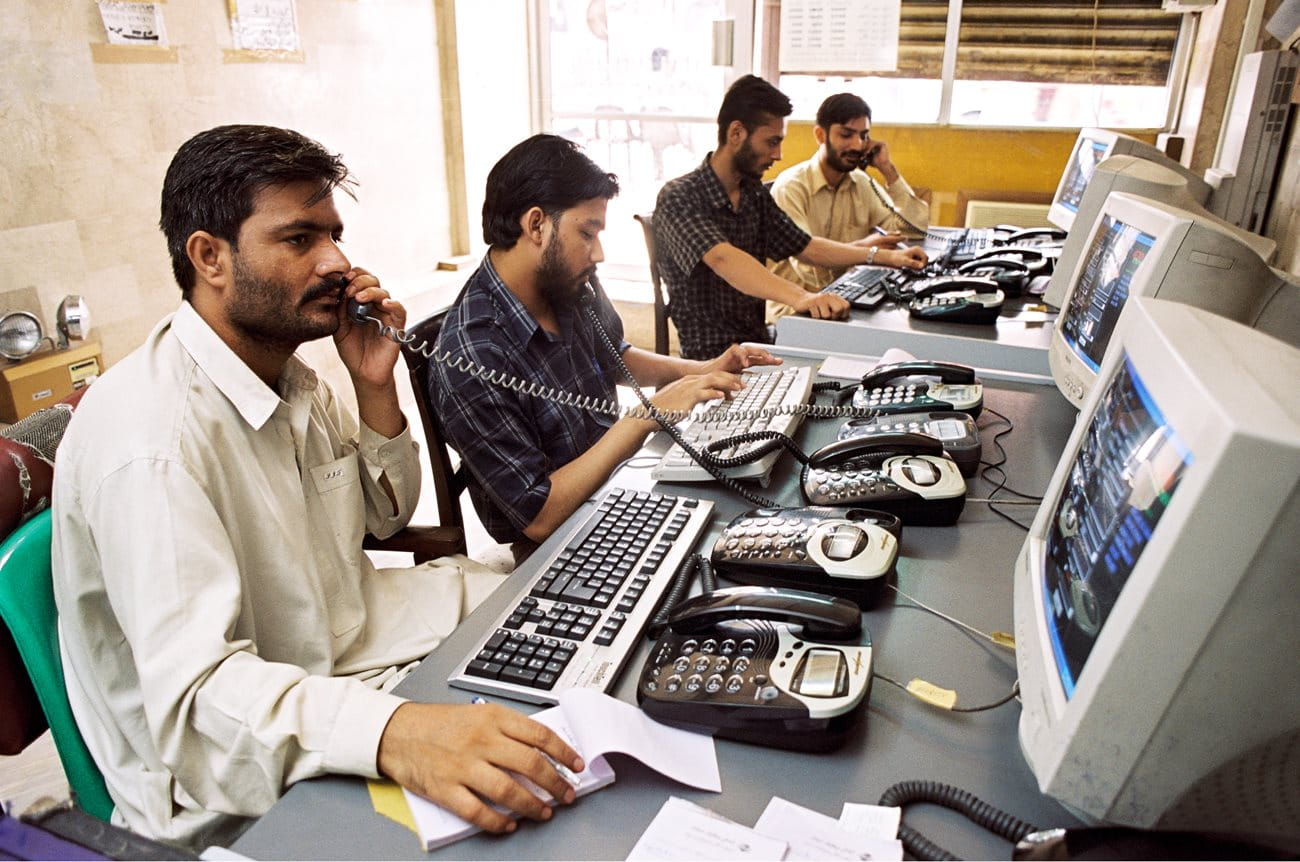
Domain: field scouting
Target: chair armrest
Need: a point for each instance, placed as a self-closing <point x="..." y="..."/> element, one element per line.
<point x="426" y="543"/>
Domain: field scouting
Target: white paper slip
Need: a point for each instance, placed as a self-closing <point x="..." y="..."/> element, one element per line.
<point x="608" y="724"/>
<point x="683" y="830"/>
<point x="877" y="821"/>
<point x="813" y="835"/>
<point x="844" y="367"/>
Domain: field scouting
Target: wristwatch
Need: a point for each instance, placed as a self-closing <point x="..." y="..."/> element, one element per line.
<point x="871" y="254"/>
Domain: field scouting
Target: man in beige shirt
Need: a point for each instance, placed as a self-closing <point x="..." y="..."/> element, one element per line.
<point x="828" y="197"/>
<point x="223" y="635"/>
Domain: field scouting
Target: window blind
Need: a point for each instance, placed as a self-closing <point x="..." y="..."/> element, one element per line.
<point x="1074" y="41"/>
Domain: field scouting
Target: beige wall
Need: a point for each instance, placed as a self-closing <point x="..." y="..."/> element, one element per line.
<point x="86" y="144"/>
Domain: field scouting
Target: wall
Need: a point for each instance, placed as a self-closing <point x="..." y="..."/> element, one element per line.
<point x="87" y="144"/>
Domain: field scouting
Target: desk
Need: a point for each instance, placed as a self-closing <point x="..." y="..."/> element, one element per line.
<point x="964" y="570"/>
<point x="1009" y="345"/>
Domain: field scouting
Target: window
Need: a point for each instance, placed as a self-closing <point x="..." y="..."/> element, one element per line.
<point x="1104" y="63"/>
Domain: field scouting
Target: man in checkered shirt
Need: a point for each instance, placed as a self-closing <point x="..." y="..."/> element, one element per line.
<point x="716" y="227"/>
<point x="532" y="461"/>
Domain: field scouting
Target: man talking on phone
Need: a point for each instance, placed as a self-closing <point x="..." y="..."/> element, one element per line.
<point x="828" y="196"/>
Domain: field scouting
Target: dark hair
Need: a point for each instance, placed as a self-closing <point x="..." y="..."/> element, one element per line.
<point x="841" y="108"/>
<point x="754" y="102"/>
<point x="544" y="171"/>
<point x="215" y="175"/>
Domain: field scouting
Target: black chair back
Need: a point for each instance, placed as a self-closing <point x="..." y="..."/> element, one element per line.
<point x="448" y="481"/>
<point x="661" y="303"/>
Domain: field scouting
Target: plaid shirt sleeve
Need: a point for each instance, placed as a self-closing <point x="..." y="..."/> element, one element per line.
<point x="497" y="440"/>
<point x="684" y="230"/>
<point x="784" y="238"/>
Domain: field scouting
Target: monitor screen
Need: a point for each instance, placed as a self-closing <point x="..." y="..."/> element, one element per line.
<point x="1083" y="161"/>
<point x="1089" y="318"/>
<point x="1121" y="483"/>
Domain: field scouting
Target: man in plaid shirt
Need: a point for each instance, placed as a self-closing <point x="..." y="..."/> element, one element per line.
<point x="716" y="227"/>
<point x="532" y="462"/>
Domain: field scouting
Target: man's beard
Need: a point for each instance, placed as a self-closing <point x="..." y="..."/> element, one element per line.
<point x="555" y="283"/>
<point x="259" y="308"/>
<point x="747" y="161"/>
<point x="841" y="164"/>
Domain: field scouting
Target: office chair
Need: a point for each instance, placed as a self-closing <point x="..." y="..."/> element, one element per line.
<point x="661" y="304"/>
<point x="27" y="608"/>
<point x="448" y="481"/>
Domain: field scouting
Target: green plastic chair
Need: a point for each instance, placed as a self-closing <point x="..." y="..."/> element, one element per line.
<point x="27" y="607"/>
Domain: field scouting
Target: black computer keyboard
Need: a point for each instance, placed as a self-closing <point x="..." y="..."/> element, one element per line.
<point x="968" y="244"/>
<point x="863" y="287"/>
<point x="576" y="622"/>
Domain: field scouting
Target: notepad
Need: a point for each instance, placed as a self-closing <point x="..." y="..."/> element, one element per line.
<point x="593" y="724"/>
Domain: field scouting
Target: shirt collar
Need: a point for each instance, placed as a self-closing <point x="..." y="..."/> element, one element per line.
<point x="817" y="177"/>
<point x="252" y="398"/>
<point x="712" y="185"/>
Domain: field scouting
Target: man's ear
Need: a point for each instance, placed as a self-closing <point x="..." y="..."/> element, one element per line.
<point x="210" y="257"/>
<point x="820" y="134"/>
<point x="736" y="133"/>
<point x="532" y="223"/>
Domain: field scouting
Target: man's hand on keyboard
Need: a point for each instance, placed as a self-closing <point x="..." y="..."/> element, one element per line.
<point x="736" y="359"/>
<point x="685" y="392"/>
<point x="824" y="306"/>
<point x="458" y="756"/>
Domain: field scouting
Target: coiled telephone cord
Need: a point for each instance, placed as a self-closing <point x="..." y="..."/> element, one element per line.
<point x="972" y="807"/>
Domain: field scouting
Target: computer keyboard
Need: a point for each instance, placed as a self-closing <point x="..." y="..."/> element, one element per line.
<point x="863" y="287"/>
<point x="577" y="621"/>
<point x="763" y="389"/>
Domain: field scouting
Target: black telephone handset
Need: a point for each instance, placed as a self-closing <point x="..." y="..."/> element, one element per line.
<point x="359" y="312"/>
<point x="1011" y="274"/>
<point x="1034" y="236"/>
<point x="890" y="389"/>
<point x="785" y="668"/>
<point x="957" y="299"/>
<point x="902" y="473"/>
<point x="849" y="553"/>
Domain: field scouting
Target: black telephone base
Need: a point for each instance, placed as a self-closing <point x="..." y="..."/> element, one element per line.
<point x="809" y="735"/>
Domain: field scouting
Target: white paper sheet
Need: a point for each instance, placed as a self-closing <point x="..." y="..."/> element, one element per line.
<point x="813" y="835"/>
<point x="876" y="821"/>
<point x="685" y="831"/>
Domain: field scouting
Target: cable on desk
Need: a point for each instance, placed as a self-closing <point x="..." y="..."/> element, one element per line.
<point x="945" y="698"/>
<point x="1002" y="639"/>
<point x="973" y="808"/>
<point x="1001" y="484"/>
<point x="681" y="585"/>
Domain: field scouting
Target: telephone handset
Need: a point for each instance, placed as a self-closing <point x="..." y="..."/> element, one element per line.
<point x="1011" y="274"/>
<point x="889" y="389"/>
<point x="902" y="473"/>
<point x="359" y="312"/>
<point x="836" y="551"/>
<point x="957" y="299"/>
<point x="1033" y="236"/>
<point x="784" y="668"/>
<point x="955" y="431"/>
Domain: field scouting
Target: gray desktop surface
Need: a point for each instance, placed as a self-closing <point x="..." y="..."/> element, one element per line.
<point x="964" y="570"/>
<point x="1012" y="344"/>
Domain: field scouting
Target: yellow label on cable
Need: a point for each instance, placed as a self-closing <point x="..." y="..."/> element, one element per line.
<point x="930" y="693"/>
<point x="1005" y="639"/>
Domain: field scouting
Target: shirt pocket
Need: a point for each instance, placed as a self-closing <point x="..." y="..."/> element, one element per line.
<point x="338" y="514"/>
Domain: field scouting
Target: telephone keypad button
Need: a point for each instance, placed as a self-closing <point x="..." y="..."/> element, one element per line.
<point x="734" y="684"/>
<point x="681" y="664"/>
<point x="727" y="647"/>
<point x="721" y="665"/>
<point x="749" y="646"/>
<point x="760" y="679"/>
<point x="673" y="683"/>
<point x="690" y="646"/>
<point x="713" y="684"/>
<point x="701" y="664"/>
<point x="741" y="665"/>
<point x="694" y="682"/>
<point x="709" y="646"/>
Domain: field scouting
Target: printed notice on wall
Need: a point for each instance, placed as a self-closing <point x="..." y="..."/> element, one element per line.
<point x="264" y="25"/>
<point x="839" y="36"/>
<point x="129" y="23"/>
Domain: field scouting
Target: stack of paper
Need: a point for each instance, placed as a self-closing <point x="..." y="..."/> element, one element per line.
<point x="594" y="724"/>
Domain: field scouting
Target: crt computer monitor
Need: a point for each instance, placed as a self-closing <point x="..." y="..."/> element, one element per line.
<point x="1156" y="594"/>
<point x="1138" y="247"/>
<point x="1091" y="148"/>
<point x="1155" y="181"/>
